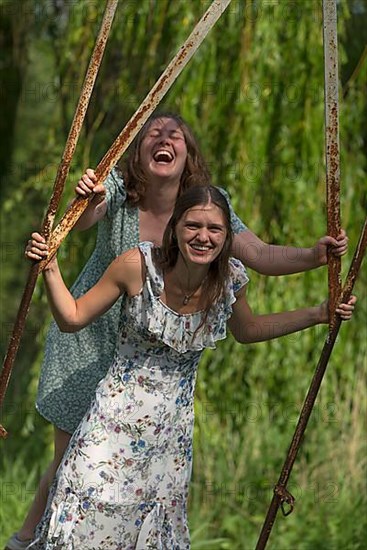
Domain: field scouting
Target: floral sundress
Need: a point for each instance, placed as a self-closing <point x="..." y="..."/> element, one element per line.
<point x="74" y="363"/>
<point x="123" y="482"/>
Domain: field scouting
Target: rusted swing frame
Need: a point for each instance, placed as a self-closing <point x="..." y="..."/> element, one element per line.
<point x="281" y="495"/>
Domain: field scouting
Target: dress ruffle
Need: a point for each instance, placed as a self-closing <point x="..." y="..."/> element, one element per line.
<point x="60" y="526"/>
<point x="181" y="331"/>
<point x="156" y="530"/>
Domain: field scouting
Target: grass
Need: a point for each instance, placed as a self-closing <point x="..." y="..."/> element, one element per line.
<point x="238" y="455"/>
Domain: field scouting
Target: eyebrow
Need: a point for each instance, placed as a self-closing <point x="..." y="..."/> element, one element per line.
<point x="195" y="222"/>
<point x="173" y="131"/>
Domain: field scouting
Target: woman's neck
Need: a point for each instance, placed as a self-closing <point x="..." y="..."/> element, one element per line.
<point x="160" y="197"/>
<point x="183" y="287"/>
<point x="188" y="276"/>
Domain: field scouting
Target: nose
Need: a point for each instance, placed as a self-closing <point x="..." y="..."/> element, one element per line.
<point x="203" y="235"/>
<point x="164" y="138"/>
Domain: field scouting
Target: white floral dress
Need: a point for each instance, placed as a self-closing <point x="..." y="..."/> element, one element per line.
<point x="75" y="362"/>
<point x="123" y="482"/>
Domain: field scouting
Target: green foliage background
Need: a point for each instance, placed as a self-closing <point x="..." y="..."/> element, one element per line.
<point x="254" y="96"/>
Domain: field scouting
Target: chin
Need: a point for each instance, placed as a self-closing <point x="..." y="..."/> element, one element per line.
<point x="202" y="260"/>
<point x="164" y="171"/>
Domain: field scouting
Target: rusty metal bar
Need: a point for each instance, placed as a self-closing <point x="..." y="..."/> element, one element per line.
<point x="81" y="109"/>
<point x="136" y="122"/>
<point x="332" y="154"/>
<point x="62" y="173"/>
<point x="281" y="496"/>
<point x="16" y="335"/>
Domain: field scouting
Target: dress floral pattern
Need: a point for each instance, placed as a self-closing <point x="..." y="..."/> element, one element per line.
<point x="75" y="363"/>
<point x="123" y="482"/>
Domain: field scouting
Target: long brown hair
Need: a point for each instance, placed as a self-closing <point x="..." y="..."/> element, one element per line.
<point x="219" y="268"/>
<point x="195" y="171"/>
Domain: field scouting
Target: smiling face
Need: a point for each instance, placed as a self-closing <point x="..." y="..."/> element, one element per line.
<point x="201" y="233"/>
<point x="163" y="150"/>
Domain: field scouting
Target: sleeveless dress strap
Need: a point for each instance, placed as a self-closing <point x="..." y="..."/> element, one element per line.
<point x="154" y="274"/>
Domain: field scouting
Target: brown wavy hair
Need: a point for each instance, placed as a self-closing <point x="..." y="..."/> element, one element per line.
<point x="168" y="253"/>
<point x="195" y="171"/>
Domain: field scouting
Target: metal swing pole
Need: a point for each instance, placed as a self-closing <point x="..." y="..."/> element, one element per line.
<point x="332" y="152"/>
<point x="281" y="496"/>
<point x="62" y="173"/>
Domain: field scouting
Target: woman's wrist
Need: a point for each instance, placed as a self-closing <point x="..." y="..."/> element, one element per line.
<point x="316" y="258"/>
<point x="51" y="267"/>
<point x="322" y="313"/>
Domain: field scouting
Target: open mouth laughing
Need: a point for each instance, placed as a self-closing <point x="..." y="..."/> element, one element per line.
<point x="163" y="156"/>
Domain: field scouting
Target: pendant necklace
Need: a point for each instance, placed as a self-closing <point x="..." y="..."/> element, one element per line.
<point x="187" y="297"/>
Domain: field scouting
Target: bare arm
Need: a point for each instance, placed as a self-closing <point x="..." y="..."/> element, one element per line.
<point x="269" y="259"/>
<point x="249" y="328"/>
<point x="72" y="315"/>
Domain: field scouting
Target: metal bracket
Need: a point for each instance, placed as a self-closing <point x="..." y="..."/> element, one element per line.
<point x="285" y="498"/>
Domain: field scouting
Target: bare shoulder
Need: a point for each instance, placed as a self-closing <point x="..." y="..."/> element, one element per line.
<point x="129" y="269"/>
<point x="129" y="262"/>
<point x="131" y="258"/>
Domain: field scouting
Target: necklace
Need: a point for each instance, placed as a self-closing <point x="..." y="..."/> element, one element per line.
<point x="187" y="297"/>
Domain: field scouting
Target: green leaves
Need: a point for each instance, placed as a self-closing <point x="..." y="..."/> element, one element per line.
<point x="253" y="94"/>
